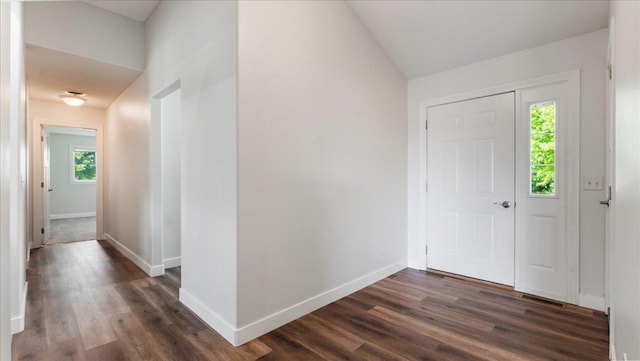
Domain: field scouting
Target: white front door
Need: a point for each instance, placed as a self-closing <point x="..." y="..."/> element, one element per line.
<point x="547" y="158"/>
<point x="471" y="191"/>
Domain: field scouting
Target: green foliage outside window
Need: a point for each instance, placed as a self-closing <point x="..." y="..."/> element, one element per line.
<point x="84" y="165"/>
<point x="543" y="148"/>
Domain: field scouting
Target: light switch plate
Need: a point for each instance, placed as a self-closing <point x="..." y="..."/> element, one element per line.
<point x="593" y="184"/>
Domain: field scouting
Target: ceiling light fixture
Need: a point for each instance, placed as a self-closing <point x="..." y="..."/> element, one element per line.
<point x="73" y="98"/>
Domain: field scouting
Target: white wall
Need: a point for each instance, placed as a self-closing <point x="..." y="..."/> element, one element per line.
<point x="322" y="160"/>
<point x="171" y="178"/>
<point x="5" y="243"/>
<point x="69" y="198"/>
<point x="75" y="27"/>
<point x="60" y="114"/>
<point x="625" y="308"/>
<point x="6" y="94"/>
<point x="13" y="173"/>
<point x="587" y="53"/>
<point x="195" y="43"/>
<point x="126" y="191"/>
<point x="18" y="171"/>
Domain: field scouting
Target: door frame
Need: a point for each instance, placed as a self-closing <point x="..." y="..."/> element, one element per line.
<point x="573" y="172"/>
<point x="38" y="176"/>
<point x="155" y="172"/>
<point x="610" y="172"/>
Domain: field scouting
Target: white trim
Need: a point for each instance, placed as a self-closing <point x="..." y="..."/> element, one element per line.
<point x="172" y="262"/>
<point x="275" y="320"/>
<point x="592" y="302"/>
<point x="155" y="169"/>
<point x="239" y="336"/>
<point x="152" y="271"/>
<point x="419" y="260"/>
<point x="519" y="85"/>
<point x="207" y="315"/>
<point x="71" y="131"/>
<point x="72" y="215"/>
<point x="612" y="350"/>
<point x="573" y="193"/>
<point x="17" y="322"/>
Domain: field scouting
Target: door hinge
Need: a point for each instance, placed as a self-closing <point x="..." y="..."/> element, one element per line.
<point x="426" y="249"/>
<point x="41" y="184"/>
<point x="426" y="124"/>
<point x="42" y="138"/>
<point x="42" y="230"/>
<point x="426" y="187"/>
<point x="610" y="70"/>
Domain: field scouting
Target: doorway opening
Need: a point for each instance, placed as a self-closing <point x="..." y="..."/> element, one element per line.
<point x="166" y="179"/>
<point x="171" y="179"/>
<point x="69" y="184"/>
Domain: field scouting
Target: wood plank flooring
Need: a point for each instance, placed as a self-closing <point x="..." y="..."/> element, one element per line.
<point x="86" y="301"/>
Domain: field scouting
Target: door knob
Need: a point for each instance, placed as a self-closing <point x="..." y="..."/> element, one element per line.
<point x="50" y="189"/>
<point x="605" y="203"/>
<point x="505" y="204"/>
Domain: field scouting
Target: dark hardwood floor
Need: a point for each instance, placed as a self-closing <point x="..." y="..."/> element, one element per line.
<point x="86" y="301"/>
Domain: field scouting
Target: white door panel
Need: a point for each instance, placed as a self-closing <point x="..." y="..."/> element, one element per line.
<point x="470" y="172"/>
<point x="541" y="222"/>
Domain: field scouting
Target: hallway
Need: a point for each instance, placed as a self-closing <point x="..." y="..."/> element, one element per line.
<point x="87" y="301"/>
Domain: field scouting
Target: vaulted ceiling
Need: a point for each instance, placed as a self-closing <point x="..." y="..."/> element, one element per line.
<point x="426" y="37"/>
<point x="421" y="38"/>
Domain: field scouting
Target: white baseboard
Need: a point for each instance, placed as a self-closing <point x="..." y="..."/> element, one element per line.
<point x="593" y="302"/>
<point x="72" y="215"/>
<point x="273" y="321"/>
<point x="239" y="336"/>
<point x="207" y="315"/>
<point x="152" y="271"/>
<point x="172" y="262"/>
<point x="17" y="322"/>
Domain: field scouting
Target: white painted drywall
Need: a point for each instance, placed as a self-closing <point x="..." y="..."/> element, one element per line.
<point x="76" y="28"/>
<point x="322" y="157"/>
<point x="67" y="197"/>
<point x="625" y="308"/>
<point x="126" y="189"/>
<point x="171" y="175"/>
<point x="587" y="53"/>
<point x="194" y="43"/>
<point x="17" y="168"/>
<point x="5" y="153"/>
<point x="59" y="114"/>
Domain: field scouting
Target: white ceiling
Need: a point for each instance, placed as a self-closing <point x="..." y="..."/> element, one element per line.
<point x="138" y="10"/>
<point x="426" y="37"/>
<point x="50" y="73"/>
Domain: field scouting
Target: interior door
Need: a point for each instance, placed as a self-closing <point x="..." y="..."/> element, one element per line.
<point x="471" y="188"/>
<point x="46" y="189"/>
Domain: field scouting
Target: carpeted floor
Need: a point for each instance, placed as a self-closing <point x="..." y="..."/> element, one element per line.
<point x="72" y="230"/>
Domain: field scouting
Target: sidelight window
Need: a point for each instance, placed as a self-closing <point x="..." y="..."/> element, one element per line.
<point x="542" y="118"/>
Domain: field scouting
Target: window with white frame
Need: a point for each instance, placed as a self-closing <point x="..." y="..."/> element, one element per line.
<point x="83" y="164"/>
